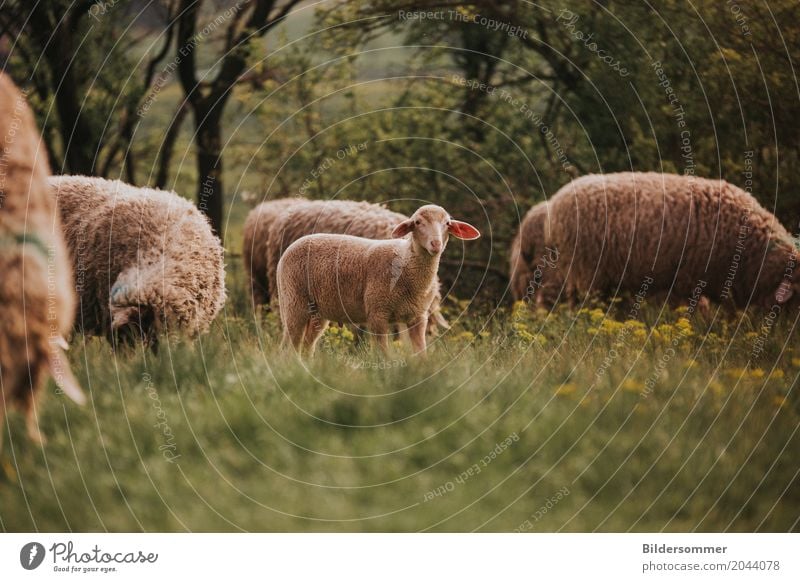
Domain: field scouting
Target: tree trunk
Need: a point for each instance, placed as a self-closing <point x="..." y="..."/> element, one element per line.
<point x="210" y="193"/>
<point x="168" y="146"/>
<point x="78" y="139"/>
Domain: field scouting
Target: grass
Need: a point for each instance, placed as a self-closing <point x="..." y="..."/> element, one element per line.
<point x="516" y="421"/>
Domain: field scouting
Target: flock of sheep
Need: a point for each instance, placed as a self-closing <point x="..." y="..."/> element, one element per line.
<point x="138" y="263"/>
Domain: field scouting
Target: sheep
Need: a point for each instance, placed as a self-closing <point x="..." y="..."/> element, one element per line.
<point x="689" y="238"/>
<point x="144" y="260"/>
<point x="534" y="275"/>
<point x="324" y="277"/>
<point x="289" y="219"/>
<point x="254" y="246"/>
<point x="37" y="304"/>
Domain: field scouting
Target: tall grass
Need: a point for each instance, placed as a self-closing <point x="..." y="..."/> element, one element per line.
<point x="559" y="421"/>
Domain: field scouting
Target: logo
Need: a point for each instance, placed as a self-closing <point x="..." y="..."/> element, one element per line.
<point x="31" y="555"/>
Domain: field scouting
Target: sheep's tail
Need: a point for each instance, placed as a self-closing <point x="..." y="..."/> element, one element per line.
<point x="61" y="372"/>
<point x="439" y="319"/>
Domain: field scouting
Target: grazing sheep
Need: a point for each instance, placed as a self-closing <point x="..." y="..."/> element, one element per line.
<point x="144" y="260"/>
<point x="690" y="235"/>
<point x="534" y="271"/>
<point x="37" y="305"/>
<point x="254" y="245"/>
<point x="324" y="277"/>
<point x="294" y="218"/>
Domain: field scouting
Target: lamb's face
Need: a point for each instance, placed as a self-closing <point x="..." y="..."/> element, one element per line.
<point x="431" y="227"/>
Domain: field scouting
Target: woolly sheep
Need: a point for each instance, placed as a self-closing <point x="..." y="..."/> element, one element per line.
<point x="324" y="277"/>
<point x="688" y="237"/>
<point x="534" y="264"/>
<point x="144" y="260"/>
<point x="37" y="305"/>
<point x="286" y="220"/>
<point x="254" y="246"/>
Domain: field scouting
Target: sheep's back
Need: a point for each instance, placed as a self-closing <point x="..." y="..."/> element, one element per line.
<point x="617" y="230"/>
<point x="113" y="228"/>
<point x="346" y="217"/>
<point x="330" y="273"/>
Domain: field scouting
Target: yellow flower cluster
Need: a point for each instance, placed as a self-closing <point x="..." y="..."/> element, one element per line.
<point x="566" y="389"/>
<point x="631" y="385"/>
<point x="336" y="336"/>
<point x="522" y="332"/>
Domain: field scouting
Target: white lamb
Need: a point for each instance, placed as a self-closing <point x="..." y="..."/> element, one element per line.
<point x="324" y="277"/>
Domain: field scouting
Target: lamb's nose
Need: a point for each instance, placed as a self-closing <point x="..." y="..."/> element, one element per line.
<point x="436" y="245"/>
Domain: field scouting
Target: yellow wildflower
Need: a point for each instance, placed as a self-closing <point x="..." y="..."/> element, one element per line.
<point x="736" y="372"/>
<point x="596" y="315"/>
<point x="631" y="385"/>
<point x="684" y="327"/>
<point x="566" y="389"/>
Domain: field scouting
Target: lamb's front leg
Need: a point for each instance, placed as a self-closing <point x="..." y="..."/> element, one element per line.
<point x="416" y="331"/>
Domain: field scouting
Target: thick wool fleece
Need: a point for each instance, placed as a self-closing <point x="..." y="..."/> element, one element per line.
<point x="689" y="235"/>
<point x="534" y="272"/>
<point x="142" y="258"/>
<point x="326" y="217"/>
<point x="328" y="277"/>
<point x="254" y="245"/>
<point x="37" y="304"/>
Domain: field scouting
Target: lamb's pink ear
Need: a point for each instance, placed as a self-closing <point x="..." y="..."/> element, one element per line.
<point x="403" y="228"/>
<point x="463" y="230"/>
<point x="784" y="292"/>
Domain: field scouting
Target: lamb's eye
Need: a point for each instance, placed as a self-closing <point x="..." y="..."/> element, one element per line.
<point x="416" y="222"/>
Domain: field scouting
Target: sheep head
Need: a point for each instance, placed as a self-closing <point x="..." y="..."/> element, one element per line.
<point x="431" y="226"/>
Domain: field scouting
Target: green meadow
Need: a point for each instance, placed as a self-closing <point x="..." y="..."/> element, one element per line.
<point x="570" y="420"/>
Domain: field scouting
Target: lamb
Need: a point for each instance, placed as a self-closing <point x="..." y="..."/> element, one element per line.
<point x="281" y="222"/>
<point x="324" y="277"/>
<point x="37" y="304"/>
<point x="145" y="260"/>
<point x="534" y="275"/>
<point x="687" y="237"/>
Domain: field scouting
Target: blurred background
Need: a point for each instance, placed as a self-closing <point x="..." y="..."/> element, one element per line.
<point x="482" y="107"/>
